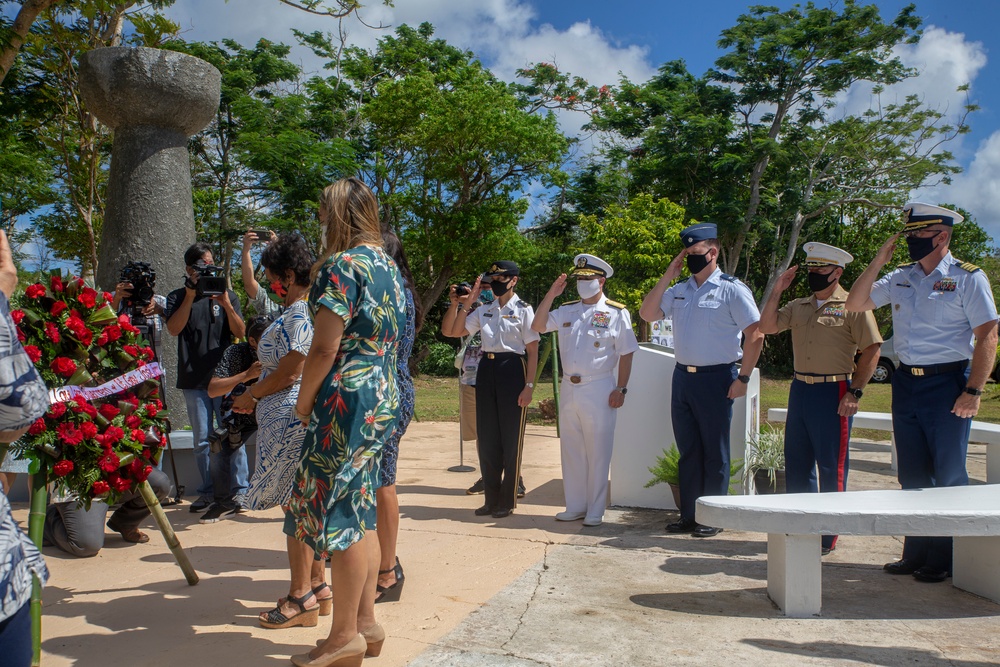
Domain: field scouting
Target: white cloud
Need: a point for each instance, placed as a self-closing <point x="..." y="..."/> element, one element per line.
<point x="977" y="189"/>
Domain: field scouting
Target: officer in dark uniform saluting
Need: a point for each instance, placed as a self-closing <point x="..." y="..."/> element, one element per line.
<point x="503" y="382"/>
<point x="943" y="316"/>
<point x="710" y="310"/>
<point x="827" y="385"/>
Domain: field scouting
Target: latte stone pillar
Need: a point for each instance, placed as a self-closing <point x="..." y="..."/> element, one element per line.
<point x="154" y="100"/>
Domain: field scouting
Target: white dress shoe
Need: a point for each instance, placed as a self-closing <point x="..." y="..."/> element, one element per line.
<point x="592" y="521"/>
<point x="570" y="516"/>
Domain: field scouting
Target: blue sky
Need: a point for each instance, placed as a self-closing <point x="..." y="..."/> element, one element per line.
<point x="600" y="39"/>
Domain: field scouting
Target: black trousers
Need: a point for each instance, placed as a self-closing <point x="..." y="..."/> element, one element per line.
<point x="500" y="426"/>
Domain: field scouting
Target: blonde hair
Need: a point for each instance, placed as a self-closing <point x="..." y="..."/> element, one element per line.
<point x="349" y="210"/>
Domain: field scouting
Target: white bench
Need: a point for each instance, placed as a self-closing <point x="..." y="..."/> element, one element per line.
<point x="984" y="432"/>
<point x="795" y="522"/>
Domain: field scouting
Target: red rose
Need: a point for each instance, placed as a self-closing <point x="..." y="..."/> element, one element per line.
<point x="133" y="421"/>
<point x="119" y="483"/>
<point x="62" y="468"/>
<point x="57" y="308"/>
<point x="113" y="434"/>
<point x="75" y="323"/>
<point x="37" y="428"/>
<point x="88" y="297"/>
<point x="147" y="352"/>
<point x="139" y="436"/>
<point x="57" y="410"/>
<point x="139" y="363"/>
<point x="33" y="353"/>
<point x="20" y="334"/>
<point x="57" y="284"/>
<point x="69" y="434"/>
<point x="88" y="430"/>
<point x="102" y="339"/>
<point x="114" y="332"/>
<point x="52" y="332"/>
<point x="85" y="408"/>
<point x="99" y="488"/>
<point x="108" y="411"/>
<point x="131" y="350"/>
<point x="86" y="337"/>
<point x="17" y="316"/>
<point x="144" y="473"/>
<point x="63" y="366"/>
<point x="35" y="291"/>
<point x="108" y="297"/>
<point x="151" y="410"/>
<point x="109" y="462"/>
<point x="131" y="400"/>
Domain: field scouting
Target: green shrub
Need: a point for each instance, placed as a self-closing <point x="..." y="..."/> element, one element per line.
<point x="440" y="361"/>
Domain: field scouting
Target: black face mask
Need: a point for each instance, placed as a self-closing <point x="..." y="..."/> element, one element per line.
<point x="920" y="247"/>
<point x="819" y="281"/>
<point x="499" y="288"/>
<point x="697" y="263"/>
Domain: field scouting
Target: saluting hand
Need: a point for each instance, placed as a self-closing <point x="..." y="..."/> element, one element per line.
<point x="785" y="279"/>
<point x="676" y="265"/>
<point x="884" y="254"/>
<point x="966" y="406"/>
<point x="558" y="286"/>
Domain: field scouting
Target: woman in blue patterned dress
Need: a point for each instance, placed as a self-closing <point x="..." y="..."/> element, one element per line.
<point x="350" y="399"/>
<point x="390" y="573"/>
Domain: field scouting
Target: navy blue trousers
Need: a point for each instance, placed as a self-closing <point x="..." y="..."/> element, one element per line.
<point x="500" y="426"/>
<point x="15" y="638"/>
<point x="701" y="415"/>
<point x="931" y="445"/>
<point x="817" y="438"/>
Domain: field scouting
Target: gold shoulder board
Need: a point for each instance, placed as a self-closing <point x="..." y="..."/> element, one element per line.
<point x="570" y="303"/>
<point x="615" y="304"/>
<point x="903" y="266"/>
<point x="969" y="266"/>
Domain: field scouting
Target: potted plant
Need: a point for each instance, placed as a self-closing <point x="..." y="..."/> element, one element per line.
<point x="667" y="471"/>
<point x="765" y="463"/>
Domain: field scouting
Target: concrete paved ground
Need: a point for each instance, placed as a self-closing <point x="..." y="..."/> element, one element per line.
<point x="521" y="591"/>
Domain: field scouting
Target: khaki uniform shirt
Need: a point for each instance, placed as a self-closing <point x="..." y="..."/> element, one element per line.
<point x="826" y="338"/>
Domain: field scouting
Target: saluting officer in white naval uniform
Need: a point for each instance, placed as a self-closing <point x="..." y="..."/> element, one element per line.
<point x="595" y="335"/>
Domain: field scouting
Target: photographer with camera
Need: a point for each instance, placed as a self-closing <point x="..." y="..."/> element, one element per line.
<point x="236" y="373"/>
<point x="259" y="299"/>
<point x="205" y="317"/>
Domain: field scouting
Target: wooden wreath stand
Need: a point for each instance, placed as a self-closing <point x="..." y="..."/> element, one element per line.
<point x="36" y="528"/>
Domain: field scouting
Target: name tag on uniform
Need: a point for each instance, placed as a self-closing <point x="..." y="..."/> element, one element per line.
<point x="902" y="284"/>
<point x="945" y="285"/>
<point x="567" y="324"/>
<point x="487" y="314"/>
<point x="600" y="320"/>
<point x="836" y="310"/>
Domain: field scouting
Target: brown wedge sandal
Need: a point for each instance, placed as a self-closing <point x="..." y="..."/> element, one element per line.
<point x="276" y="620"/>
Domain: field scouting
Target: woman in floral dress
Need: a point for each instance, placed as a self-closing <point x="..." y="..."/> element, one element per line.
<point x="350" y="399"/>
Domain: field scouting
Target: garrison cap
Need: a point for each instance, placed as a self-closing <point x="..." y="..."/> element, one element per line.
<point x="917" y="216"/>
<point x="502" y="268"/>
<point x="589" y="266"/>
<point x="703" y="231"/>
<point x="821" y="254"/>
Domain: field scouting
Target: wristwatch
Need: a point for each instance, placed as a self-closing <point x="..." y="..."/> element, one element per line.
<point x="745" y="379"/>
<point x="529" y="385"/>
<point x="973" y="392"/>
<point x="857" y="393"/>
<point x="623" y="390"/>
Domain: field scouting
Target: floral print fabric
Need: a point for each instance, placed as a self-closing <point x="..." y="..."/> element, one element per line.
<point x="387" y="474"/>
<point x="333" y="499"/>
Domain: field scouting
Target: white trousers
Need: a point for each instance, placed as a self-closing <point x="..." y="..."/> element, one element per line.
<point x="587" y="434"/>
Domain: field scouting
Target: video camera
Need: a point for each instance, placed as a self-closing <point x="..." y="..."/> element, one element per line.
<point x="143" y="279"/>
<point x="235" y="428"/>
<point x="211" y="282"/>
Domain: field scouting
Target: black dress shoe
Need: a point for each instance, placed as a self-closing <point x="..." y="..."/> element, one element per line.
<point x="682" y="526"/>
<point x="502" y="513"/>
<point x="931" y="575"/>
<point x="485" y="510"/>
<point x="826" y="551"/>
<point x="901" y="566"/>
<point x="706" y="531"/>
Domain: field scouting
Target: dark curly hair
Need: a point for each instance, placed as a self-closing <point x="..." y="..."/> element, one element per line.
<point x="394" y="247"/>
<point x="289" y="253"/>
<point x="257" y="326"/>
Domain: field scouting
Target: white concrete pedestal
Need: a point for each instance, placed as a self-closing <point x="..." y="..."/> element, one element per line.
<point x="794" y="573"/>
<point x="976" y="566"/>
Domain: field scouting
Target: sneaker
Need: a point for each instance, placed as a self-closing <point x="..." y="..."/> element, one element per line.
<point x="476" y="488"/>
<point x="217" y="513"/>
<point x="520" y="488"/>
<point x="201" y="505"/>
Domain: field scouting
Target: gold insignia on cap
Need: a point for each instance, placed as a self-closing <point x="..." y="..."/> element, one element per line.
<point x="494" y="269"/>
<point x="581" y="262"/>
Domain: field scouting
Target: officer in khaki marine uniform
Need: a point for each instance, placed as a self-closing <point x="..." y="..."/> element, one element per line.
<point x="503" y="381"/>
<point x="595" y="335"/>
<point x="827" y="385"/>
<point x="944" y="324"/>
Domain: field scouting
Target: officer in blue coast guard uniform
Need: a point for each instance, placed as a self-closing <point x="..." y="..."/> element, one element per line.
<point x="595" y="336"/>
<point x="710" y="311"/>
<point x="945" y="332"/>
<point x="827" y="384"/>
<point x="503" y="381"/>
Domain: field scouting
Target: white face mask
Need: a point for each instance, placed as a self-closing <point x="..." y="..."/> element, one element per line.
<point x="323" y="229"/>
<point x="588" y="288"/>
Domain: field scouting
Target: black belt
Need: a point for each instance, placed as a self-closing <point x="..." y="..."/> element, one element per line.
<point x="706" y="369"/>
<point x="501" y="355"/>
<point x="934" y="369"/>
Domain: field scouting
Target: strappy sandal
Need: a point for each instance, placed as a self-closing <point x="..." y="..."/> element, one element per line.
<point x="325" y="604"/>
<point x="391" y="593"/>
<point x="276" y="620"/>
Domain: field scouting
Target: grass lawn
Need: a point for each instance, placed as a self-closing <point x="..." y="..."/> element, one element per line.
<point x="437" y="400"/>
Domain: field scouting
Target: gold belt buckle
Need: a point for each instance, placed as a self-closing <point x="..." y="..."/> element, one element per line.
<point x="918" y="372"/>
<point x="575" y="379"/>
<point x="810" y="379"/>
<point x="691" y="369"/>
<point x="490" y="355"/>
